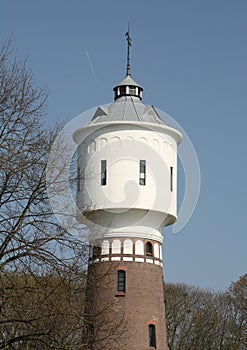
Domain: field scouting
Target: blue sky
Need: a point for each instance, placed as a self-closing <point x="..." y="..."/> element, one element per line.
<point x="190" y="57"/>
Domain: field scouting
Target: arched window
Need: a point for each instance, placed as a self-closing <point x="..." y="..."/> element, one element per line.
<point x="152" y="336"/>
<point x="149" y="248"/>
<point x="121" y="281"/>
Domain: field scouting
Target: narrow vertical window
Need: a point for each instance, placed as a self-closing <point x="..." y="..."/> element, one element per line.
<point x="152" y="336"/>
<point x="78" y="179"/>
<point x="103" y="173"/>
<point x="122" y="90"/>
<point x="142" y="179"/>
<point x="88" y="332"/>
<point x="121" y="281"/>
<point x="171" y="178"/>
<point x="149" y="248"/>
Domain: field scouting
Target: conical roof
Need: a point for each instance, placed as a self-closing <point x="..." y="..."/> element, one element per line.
<point x="127" y="109"/>
<point x="128" y="80"/>
<point x="127" y="106"/>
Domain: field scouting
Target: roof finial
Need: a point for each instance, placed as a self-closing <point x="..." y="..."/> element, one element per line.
<point x="129" y="41"/>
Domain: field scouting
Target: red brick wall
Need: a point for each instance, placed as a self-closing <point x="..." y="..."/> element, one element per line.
<point x="121" y="322"/>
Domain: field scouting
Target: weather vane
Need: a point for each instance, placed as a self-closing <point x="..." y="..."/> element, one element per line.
<point x="129" y="41"/>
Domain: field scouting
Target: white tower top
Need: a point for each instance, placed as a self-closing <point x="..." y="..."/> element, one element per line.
<point x="127" y="163"/>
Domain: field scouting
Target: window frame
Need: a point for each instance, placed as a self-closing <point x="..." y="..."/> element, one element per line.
<point x="149" y="253"/>
<point x="103" y="172"/>
<point x="78" y="179"/>
<point x="142" y="172"/>
<point x="122" y="90"/>
<point x="152" y="336"/>
<point x="132" y="90"/>
<point x="121" y="281"/>
<point x="171" y="178"/>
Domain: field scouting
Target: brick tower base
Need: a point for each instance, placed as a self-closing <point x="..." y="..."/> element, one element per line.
<point x="125" y="302"/>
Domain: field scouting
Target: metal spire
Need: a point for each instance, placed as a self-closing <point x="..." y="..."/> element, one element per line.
<point x="129" y="42"/>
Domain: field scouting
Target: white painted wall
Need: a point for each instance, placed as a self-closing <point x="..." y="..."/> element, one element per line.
<point x="123" y="146"/>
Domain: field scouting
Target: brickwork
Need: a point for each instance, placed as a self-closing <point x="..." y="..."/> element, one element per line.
<point x="123" y="317"/>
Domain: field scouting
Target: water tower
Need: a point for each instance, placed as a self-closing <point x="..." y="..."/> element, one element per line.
<point x="127" y="194"/>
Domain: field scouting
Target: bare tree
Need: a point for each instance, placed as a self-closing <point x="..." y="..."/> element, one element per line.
<point x="42" y="312"/>
<point x="237" y="294"/>
<point x="206" y="320"/>
<point x="33" y="247"/>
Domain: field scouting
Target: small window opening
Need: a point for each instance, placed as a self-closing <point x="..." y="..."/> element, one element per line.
<point x="149" y="248"/>
<point x="132" y="90"/>
<point x="88" y="332"/>
<point x="171" y="178"/>
<point x="78" y="179"/>
<point x="121" y="281"/>
<point x="152" y="336"/>
<point x="142" y="179"/>
<point x="122" y="90"/>
<point x="90" y="329"/>
<point x="96" y="252"/>
<point x="103" y="173"/>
